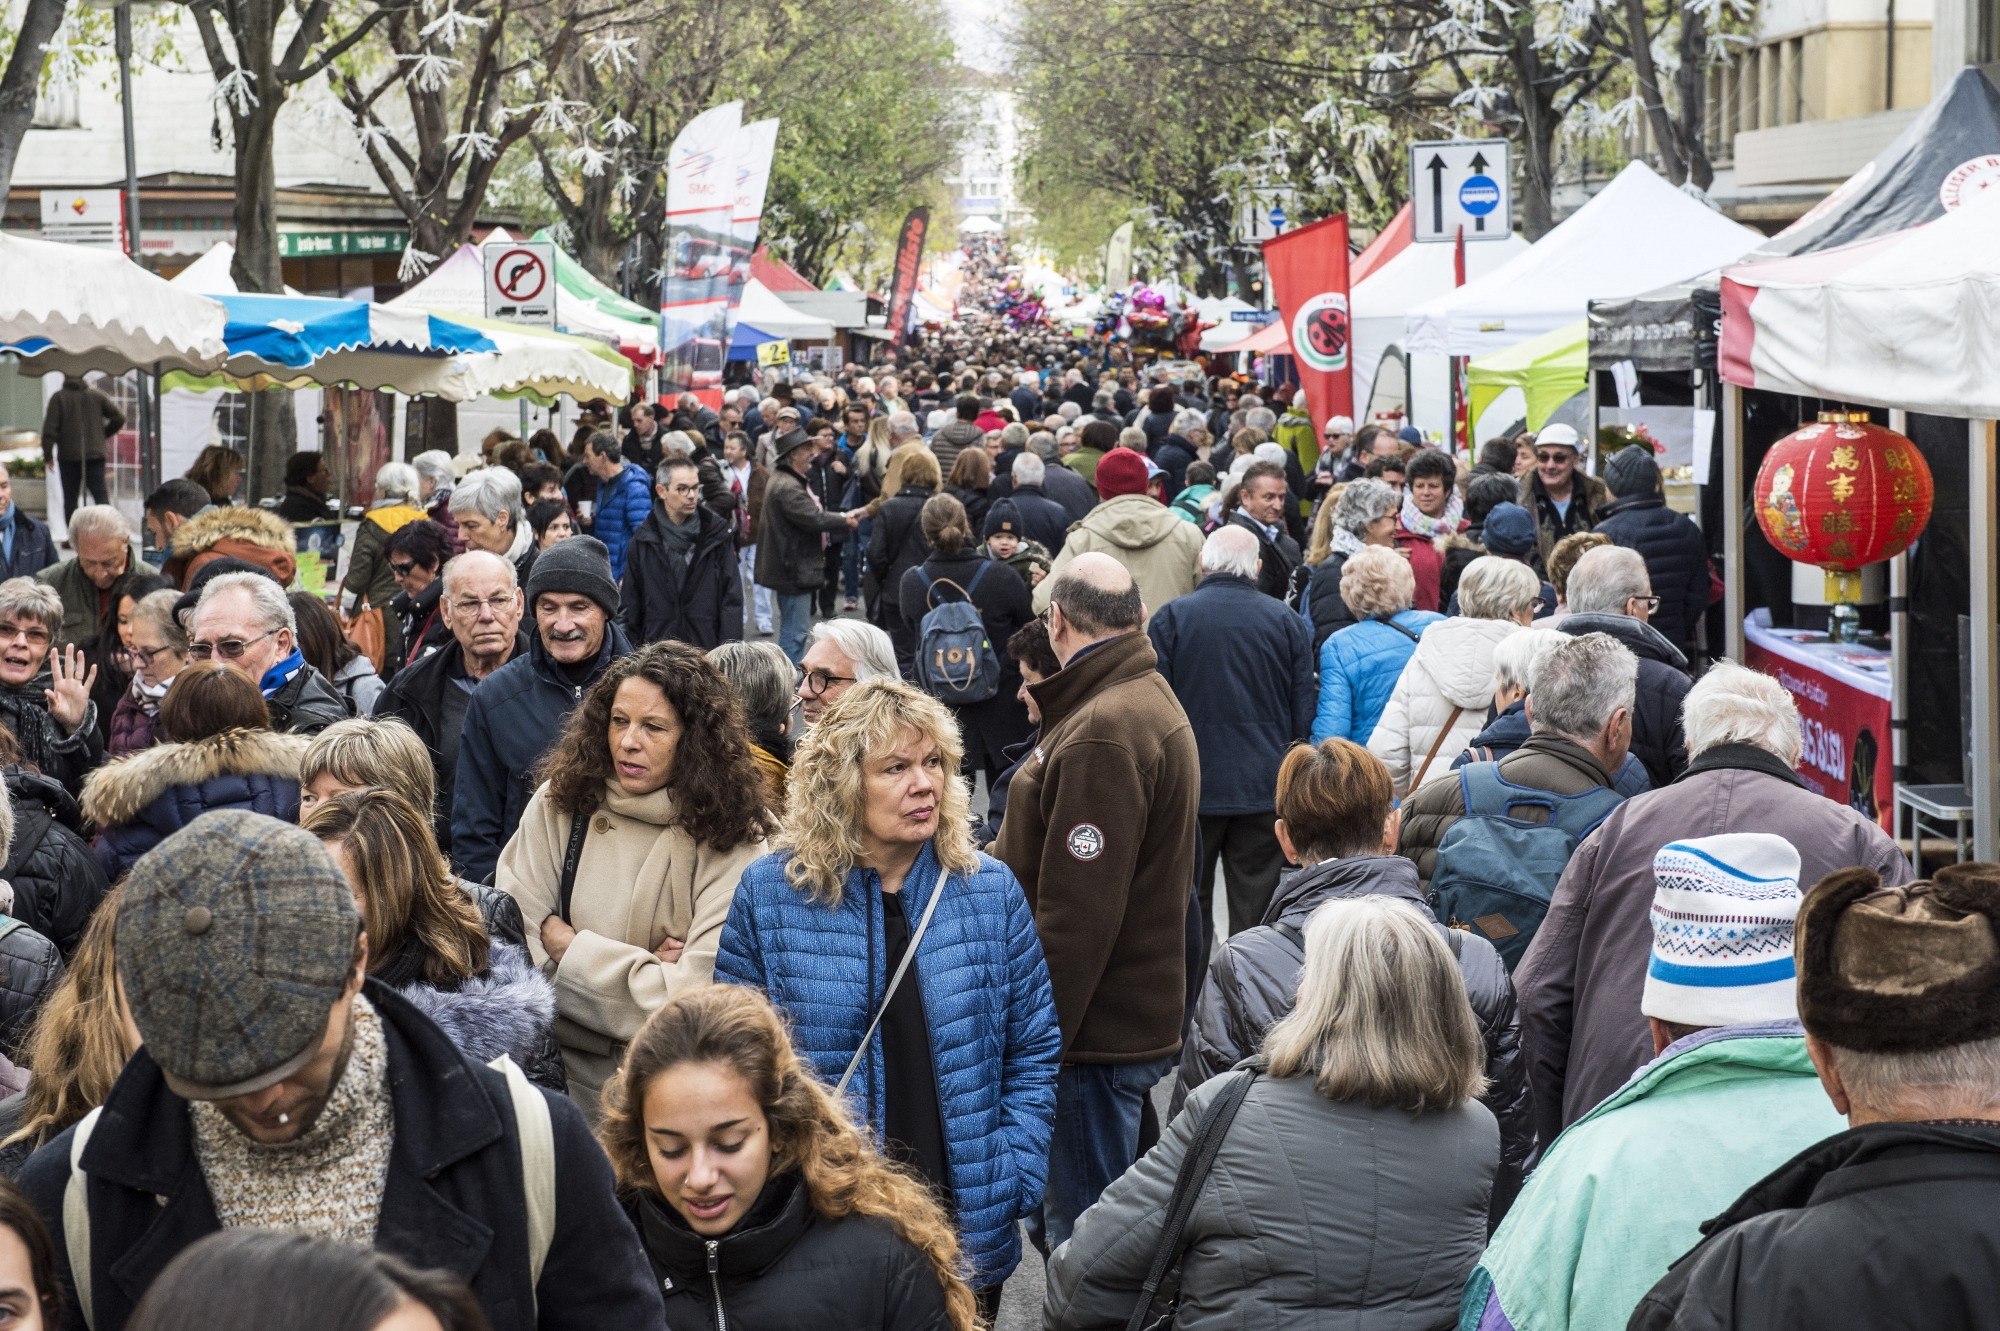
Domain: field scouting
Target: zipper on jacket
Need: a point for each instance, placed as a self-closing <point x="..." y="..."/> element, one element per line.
<point x="715" y="1284"/>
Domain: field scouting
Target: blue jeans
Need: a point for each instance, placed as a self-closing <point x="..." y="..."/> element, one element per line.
<point x="1096" y="1139"/>
<point x="795" y="617"/>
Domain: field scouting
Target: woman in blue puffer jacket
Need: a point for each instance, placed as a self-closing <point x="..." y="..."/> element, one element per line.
<point x="1360" y="664"/>
<point x="221" y="755"/>
<point x="958" y="1080"/>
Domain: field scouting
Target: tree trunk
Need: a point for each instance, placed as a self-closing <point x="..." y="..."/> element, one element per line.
<point x="1647" y="76"/>
<point x="1692" y="80"/>
<point x="23" y="77"/>
<point x="1539" y="126"/>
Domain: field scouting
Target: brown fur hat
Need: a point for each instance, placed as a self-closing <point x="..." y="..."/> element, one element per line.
<point x="1901" y="969"/>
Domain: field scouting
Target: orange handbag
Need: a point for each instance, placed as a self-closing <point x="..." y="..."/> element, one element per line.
<point x="367" y="632"/>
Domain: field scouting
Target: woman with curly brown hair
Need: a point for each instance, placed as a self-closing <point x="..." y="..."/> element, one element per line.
<point x="626" y="859"/>
<point x="758" y="1201"/>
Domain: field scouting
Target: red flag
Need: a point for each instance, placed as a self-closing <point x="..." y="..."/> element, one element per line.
<point x="909" y="254"/>
<point x="1309" y="278"/>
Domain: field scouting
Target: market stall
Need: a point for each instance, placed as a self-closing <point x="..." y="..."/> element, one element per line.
<point x="1548" y="370"/>
<point x="75" y="309"/>
<point x="1844" y="693"/>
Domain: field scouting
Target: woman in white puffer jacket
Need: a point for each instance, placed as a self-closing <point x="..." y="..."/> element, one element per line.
<point x="1446" y="689"/>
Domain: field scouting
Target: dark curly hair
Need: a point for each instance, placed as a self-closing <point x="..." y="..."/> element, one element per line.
<point x="423" y="541"/>
<point x="717" y="788"/>
<point x="1431" y="462"/>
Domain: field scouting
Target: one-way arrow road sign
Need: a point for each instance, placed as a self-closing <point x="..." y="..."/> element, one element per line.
<point x="1463" y="186"/>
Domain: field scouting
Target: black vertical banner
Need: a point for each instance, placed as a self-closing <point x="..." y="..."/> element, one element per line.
<point x="909" y="257"/>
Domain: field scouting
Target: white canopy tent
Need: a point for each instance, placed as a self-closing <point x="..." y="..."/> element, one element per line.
<point x="1636" y="234"/>
<point x="73" y="308"/>
<point x="766" y="311"/>
<point x="1382" y="300"/>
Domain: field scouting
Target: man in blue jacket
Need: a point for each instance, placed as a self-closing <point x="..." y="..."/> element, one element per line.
<point x="1242" y="666"/>
<point x="518" y="711"/>
<point x="624" y="498"/>
<point x="340" y="1110"/>
<point x="25" y="546"/>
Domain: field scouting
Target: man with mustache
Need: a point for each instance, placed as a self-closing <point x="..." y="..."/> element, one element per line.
<point x="519" y="710"/>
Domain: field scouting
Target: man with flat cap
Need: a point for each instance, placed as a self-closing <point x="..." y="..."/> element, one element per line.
<point x="1895" y="1222"/>
<point x="791" y="541"/>
<point x="277" y="1088"/>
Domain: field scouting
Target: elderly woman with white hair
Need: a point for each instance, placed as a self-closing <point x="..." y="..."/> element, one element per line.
<point x="908" y="963"/>
<point x="487" y="505"/>
<point x="435" y="479"/>
<point x="44" y="694"/>
<point x="1580" y="981"/>
<point x="1439" y="703"/>
<point x="1611" y="592"/>
<point x="1361" y="515"/>
<point x="1372" y="1077"/>
<point x="371" y="580"/>
<point x="1360" y="664"/>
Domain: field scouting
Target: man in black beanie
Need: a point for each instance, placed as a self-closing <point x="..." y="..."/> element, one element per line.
<point x="519" y="710"/>
<point x="1676" y="556"/>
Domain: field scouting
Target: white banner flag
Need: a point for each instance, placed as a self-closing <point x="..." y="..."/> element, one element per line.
<point x="701" y="207"/>
<point x="755" y="143"/>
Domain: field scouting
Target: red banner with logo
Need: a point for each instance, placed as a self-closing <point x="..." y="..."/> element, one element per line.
<point x="1846" y="756"/>
<point x="909" y="257"/>
<point x="1309" y="278"/>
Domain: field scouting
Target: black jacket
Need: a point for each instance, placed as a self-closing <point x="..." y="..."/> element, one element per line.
<point x="1254" y="980"/>
<point x="786" y="1266"/>
<point x="57" y="880"/>
<point x="1884" y="1225"/>
<point x="1042" y="518"/>
<point x="1676" y="561"/>
<point x="897" y="544"/>
<point x="30" y="965"/>
<point x="1065" y="487"/>
<point x="1657" y="736"/>
<point x="975" y="502"/>
<point x="301" y="505"/>
<point x="424" y="629"/>
<point x="1329" y="612"/>
<point x="307" y="704"/>
<point x="1280" y="557"/>
<point x="416" y="697"/>
<point x="1242" y="666"/>
<point x="516" y="715"/>
<point x="34" y="548"/>
<point x="453" y="1198"/>
<point x="701" y="607"/>
<point x="996" y="725"/>
<point x="67" y="758"/>
<point x="1174" y="455"/>
<point x="791" y="558"/>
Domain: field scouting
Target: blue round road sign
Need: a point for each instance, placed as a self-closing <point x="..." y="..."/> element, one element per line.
<point x="1479" y="195"/>
<point x="1277" y="219"/>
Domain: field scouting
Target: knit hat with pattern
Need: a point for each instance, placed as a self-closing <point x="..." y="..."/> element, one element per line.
<point x="1723" y="911"/>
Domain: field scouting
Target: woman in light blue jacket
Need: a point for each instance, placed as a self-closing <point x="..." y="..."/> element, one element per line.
<point x="1359" y="665"/>
<point x="876" y="864"/>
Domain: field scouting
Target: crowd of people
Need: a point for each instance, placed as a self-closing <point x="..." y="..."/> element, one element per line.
<point x="759" y="868"/>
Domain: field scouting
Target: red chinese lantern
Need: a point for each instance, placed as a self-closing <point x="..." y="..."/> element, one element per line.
<point x="1843" y="493"/>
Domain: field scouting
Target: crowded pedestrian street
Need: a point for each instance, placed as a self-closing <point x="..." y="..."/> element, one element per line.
<point x="808" y="686"/>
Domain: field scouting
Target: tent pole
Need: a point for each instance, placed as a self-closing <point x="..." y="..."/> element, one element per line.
<point x="1984" y="548"/>
<point x="1732" y="520"/>
<point x="1899" y="646"/>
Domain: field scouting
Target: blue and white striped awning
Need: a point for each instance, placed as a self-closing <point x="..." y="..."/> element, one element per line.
<point x="296" y="331"/>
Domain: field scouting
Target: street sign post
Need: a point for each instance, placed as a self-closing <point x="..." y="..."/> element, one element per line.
<point x="521" y="281"/>
<point x="1463" y="184"/>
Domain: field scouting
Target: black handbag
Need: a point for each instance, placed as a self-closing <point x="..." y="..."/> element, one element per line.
<point x="1157" y="1305"/>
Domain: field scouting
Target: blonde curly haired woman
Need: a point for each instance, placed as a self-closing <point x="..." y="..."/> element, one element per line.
<point x="874" y="878"/>
<point x="758" y="1200"/>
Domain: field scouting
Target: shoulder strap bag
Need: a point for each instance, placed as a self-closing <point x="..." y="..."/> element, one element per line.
<point x="1456" y="712"/>
<point x="572" y="856"/>
<point x="1155" y="1310"/>
<point x="902" y="968"/>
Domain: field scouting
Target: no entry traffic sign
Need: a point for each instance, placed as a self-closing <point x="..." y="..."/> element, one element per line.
<point x="520" y="281"/>
<point x="1461" y="185"/>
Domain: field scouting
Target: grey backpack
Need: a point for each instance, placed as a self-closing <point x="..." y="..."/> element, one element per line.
<point x="955" y="662"/>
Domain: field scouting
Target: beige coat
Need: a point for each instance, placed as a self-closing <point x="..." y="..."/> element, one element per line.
<point x="1161" y="551"/>
<point x="641" y="880"/>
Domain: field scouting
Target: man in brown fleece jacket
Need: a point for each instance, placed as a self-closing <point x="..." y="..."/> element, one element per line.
<point x="1100" y="830"/>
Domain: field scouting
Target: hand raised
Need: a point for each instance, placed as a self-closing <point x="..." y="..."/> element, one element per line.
<point x="70" y="695"/>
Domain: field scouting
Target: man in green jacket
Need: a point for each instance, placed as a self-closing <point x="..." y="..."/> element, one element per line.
<point x="1731" y="1096"/>
<point x="105" y="550"/>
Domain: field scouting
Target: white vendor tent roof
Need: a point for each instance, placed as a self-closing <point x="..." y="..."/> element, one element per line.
<point x="77" y="308"/>
<point x="1638" y="233"/>
<point x="1415" y="274"/>
<point x="764" y="310"/>
<point x="457" y="288"/>
<point x="1910" y="319"/>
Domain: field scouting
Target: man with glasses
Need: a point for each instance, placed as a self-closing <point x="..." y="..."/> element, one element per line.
<point x="844" y="652"/>
<point x="1564" y="500"/>
<point x="480" y="602"/>
<point x="244" y="621"/>
<point x="681" y="576"/>
<point x="1610" y="592"/>
<point x="792" y="541"/>
<point x="44" y="695"/>
<point x="105" y="549"/>
<point x="518" y="712"/>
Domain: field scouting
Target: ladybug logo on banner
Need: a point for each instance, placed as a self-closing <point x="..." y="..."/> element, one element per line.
<point x="1320" y="332"/>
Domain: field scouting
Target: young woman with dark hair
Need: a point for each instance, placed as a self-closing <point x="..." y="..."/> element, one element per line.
<point x="31" y="1297"/>
<point x="758" y="1200"/>
<point x="654" y="777"/>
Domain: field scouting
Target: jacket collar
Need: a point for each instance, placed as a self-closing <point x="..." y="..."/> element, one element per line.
<point x="1740" y="758"/>
<point x="1568" y="751"/>
<point x="745" y="1252"/>
<point x="616" y="644"/>
<point x="1300" y="891"/>
<point x="1224" y="582"/>
<point x="1115" y="660"/>
<point x="1510" y="727"/>
<point x="1631" y="503"/>
<point x="709" y="525"/>
<point x="1642" y="638"/>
